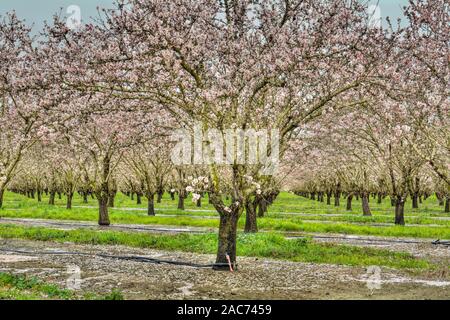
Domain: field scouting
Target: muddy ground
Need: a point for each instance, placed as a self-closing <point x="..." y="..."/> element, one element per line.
<point x="255" y="278"/>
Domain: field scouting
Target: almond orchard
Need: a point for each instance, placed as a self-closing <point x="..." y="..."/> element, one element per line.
<point x="307" y="134"/>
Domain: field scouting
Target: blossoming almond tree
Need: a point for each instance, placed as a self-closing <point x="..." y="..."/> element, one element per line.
<point x="26" y="96"/>
<point x="150" y="163"/>
<point x="97" y="141"/>
<point x="427" y="62"/>
<point x="247" y="64"/>
<point x="364" y="108"/>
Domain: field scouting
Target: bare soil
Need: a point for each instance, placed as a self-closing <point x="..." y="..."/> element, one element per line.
<point x="255" y="278"/>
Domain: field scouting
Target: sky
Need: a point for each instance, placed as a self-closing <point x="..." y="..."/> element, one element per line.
<point x="37" y="11"/>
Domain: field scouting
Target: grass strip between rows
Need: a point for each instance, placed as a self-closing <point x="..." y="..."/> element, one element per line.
<point x="264" y="245"/>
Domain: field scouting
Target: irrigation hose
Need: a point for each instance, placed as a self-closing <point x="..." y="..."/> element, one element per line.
<point x="144" y="228"/>
<point x="118" y="257"/>
<point x="442" y="242"/>
<point x="435" y="242"/>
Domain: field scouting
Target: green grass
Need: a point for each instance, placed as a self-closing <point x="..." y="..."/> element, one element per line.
<point x="264" y="245"/>
<point x="17" y="206"/>
<point x="286" y="202"/>
<point x="288" y="224"/>
<point x="343" y="228"/>
<point x="19" y="287"/>
<point x="346" y="217"/>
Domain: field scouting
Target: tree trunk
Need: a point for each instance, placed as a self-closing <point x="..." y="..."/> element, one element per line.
<point x="399" y="211"/>
<point x="328" y="198"/>
<point x="250" y="218"/>
<point x="227" y="240"/>
<point x="39" y="194"/>
<point x="415" y="202"/>
<point x="172" y="195"/>
<point x="160" y="195"/>
<point x="51" y="200"/>
<point x="262" y="208"/>
<point x="85" y="197"/>
<point x="337" y="198"/>
<point x="180" y="201"/>
<point x="337" y="195"/>
<point x="151" y="204"/>
<point x="349" y="202"/>
<point x="447" y="205"/>
<point x="103" y="215"/>
<point x="380" y="198"/>
<point x="365" y="204"/>
<point x="59" y="195"/>
<point x="139" y="198"/>
<point x="313" y="196"/>
<point x="69" y="200"/>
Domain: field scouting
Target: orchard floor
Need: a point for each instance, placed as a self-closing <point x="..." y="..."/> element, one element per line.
<point x="255" y="278"/>
<point x="420" y="248"/>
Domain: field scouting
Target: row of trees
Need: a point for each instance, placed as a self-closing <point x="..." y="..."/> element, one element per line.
<point x="93" y="108"/>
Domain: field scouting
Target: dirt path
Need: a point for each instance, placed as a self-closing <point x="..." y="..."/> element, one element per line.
<point x="256" y="278"/>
